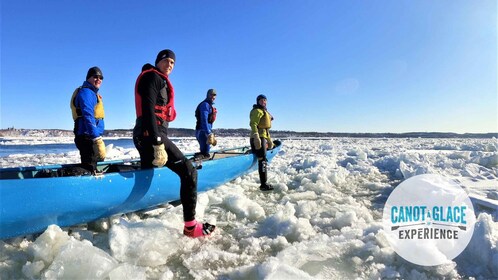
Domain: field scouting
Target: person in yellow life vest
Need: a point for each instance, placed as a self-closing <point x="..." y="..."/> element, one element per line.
<point x="260" y="123"/>
<point x="88" y="115"/>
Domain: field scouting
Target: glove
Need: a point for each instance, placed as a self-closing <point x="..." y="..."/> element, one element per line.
<point x="160" y="155"/>
<point x="211" y="140"/>
<point x="270" y="144"/>
<point x="99" y="148"/>
<point x="257" y="141"/>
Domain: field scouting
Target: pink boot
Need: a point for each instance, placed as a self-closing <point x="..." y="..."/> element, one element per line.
<point x="194" y="229"/>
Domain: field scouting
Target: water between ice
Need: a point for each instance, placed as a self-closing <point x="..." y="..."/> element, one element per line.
<point x="12" y="146"/>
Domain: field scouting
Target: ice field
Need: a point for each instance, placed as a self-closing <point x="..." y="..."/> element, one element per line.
<point x="323" y="221"/>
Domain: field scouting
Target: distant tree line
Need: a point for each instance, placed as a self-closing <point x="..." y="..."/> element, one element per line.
<point x="242" y="132"/>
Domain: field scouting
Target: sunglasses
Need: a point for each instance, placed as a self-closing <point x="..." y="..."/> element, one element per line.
<point x="98" y="77"/>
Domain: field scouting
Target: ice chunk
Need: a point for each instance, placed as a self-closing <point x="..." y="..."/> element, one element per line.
<point x="148" y="243"/>
<point x="32" y="269"/>
<point x="284" y="223"/>
<point x="273" y="269"/>
<point x="47" y="245"/>
<point x="481" y="255"/>
<point x="128" y="272"/>
<point x="244" y="207"/>
<point x="80" y="260"/>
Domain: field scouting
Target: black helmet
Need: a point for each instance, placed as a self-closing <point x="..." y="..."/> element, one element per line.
<point x="261" y="96"/>
<point x="211" y="91"/>
<point x="94" y="71"/>
<point x="165" y="54"/>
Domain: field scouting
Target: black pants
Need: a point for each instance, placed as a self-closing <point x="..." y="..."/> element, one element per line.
<point x="179" y="164"/>
<point x="87" y="154"/>
<point x="262" y="160"/>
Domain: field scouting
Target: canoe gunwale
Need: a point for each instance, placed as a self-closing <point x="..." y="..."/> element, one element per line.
<point x="54" y="170"/>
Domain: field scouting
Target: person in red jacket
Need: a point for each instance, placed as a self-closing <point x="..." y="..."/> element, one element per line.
<point x="155" y="108"/>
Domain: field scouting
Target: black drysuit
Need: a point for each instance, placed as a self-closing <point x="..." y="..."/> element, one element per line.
<point x="150" y="130"/>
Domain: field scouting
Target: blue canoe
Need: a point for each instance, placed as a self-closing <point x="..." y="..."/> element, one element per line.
<point x="32" y="198"/>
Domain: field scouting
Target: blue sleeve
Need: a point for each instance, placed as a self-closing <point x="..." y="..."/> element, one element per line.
<point x="204" y="110"/>
<point x="86" y="101"/>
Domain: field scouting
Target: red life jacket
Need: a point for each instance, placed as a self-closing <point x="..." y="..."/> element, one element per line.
<point x="164" y="113"/>
<point x="212" y="116"/>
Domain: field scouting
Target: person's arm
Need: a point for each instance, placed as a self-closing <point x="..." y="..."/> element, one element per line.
<point x="149" y="87"/>
<point x="204" y="109"/>
<point x="255" y="117"/>
<point x="86" y="101"/>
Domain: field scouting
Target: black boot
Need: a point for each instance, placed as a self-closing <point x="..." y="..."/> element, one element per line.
<point x="266" y="187"/>
<point x="263" y="175"/>
<point x="201" y="156"/>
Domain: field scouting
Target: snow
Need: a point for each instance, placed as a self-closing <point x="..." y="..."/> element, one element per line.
<point x="323" y="221"/>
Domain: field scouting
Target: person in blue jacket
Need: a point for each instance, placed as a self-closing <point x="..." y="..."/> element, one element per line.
<point x="205" y="115"/>
<point x="88" y="115"/>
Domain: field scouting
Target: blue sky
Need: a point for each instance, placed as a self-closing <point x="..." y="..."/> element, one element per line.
<point x="325" y="65"/>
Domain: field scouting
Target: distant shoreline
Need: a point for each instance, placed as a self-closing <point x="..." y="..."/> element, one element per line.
<point x="240" y="132"/>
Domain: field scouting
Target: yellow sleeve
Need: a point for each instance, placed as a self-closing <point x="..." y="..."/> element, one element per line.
<point x="255" y="117"/>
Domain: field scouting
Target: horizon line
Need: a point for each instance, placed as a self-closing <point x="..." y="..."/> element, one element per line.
<point x="281" y="131"/>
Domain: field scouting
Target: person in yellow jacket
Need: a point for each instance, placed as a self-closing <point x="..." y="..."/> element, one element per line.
<point x="88" y="115"/>
<point x="260" y="123"/>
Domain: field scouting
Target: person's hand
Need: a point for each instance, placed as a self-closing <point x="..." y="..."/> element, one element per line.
<point x="270" y="144"/>
<point x="160" y="155"/>
<point x="99" y="148"/>
<point x="257" y="141"/>
<point x="211" y="140"/>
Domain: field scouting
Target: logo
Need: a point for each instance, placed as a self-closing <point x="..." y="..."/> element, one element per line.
<point x="428" y="219"/>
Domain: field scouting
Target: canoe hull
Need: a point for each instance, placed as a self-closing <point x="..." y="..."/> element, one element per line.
<point x="30" y="205"/>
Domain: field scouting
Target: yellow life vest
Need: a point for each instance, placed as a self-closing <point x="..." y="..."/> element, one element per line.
<point x="98" y="111"/>
<point x="265" y="121"/>
<point x="260" y="122"/>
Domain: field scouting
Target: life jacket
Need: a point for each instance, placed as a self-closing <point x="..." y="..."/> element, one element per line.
<point x="211" y="116"/>
<point x="98" y="110"/>
<point x="265" y="121"/>
<point x="164" y="112"/>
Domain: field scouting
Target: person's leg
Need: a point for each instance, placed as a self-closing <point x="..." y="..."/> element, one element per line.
<point x="263" y="176"/>
<point x="262" y="164"/>
<point x="202" y="139"/>
<point x="87" y="155"/>
<point x="146" y="151"/>
<point x="179" y="164"/>
<point x="263" y="167"/>
<point x="183" y="167"/>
